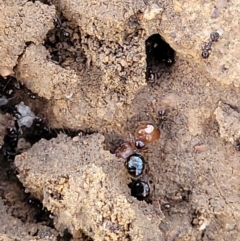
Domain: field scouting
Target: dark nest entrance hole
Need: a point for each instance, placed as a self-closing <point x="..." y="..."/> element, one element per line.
<point x="160" y="57"/>
<point x="64" y="44"/>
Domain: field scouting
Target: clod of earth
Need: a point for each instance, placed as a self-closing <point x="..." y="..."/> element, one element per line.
<point x="65" y="192"/>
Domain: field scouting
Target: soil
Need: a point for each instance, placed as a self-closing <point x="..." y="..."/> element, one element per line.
<point x="92" y="78"/>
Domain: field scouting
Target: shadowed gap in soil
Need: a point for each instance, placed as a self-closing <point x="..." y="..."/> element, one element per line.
<point x="48" y="2"/>
<point x="18" y="138"/>
<point x="64" y="45"/>
<point x="160" y="57"/>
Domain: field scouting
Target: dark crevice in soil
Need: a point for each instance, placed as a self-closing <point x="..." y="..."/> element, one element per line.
<point x="160" y="57"/>
<point x="113" y="140"/>
<point x="48" y="2"/>
<point x="17" y="138"/>
<point x="65" y="237"/>
<point x="64" y="45"/>
<point x="15" y="67"/>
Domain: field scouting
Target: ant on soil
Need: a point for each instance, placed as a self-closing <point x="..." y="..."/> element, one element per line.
<point x="162" y="117"/>
<point x="214" y="36"/>
<point x="10" y="143"/>
<point x="63" y="33"/>
<point x="135" y="163"/>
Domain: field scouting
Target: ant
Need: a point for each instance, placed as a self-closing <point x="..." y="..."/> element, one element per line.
<point x="63" y="34"/>
<point x="214" y="36"/>
<point x="10" y="142"/>
<point x="162" y="117"/>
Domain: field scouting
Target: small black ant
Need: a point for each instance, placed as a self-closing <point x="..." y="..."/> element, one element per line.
<point x="151" y="76"/>
<point x="162" y="117"/>
<point x="63" y="34"/>
<point x="10" y="143"/>
<point x="32" y="95"/>
<point x="214" y="36"/>
<point x="139" y="189"/>
<point x="135" y="165"/>
<point x="36" y="203"/>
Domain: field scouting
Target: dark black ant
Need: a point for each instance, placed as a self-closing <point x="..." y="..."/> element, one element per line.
<point x="151" y="76"/>
<point x="135" y="165"/>
<point x="7" y="87"/>
<point x="17" y="115"/>
<point x="63" y="34"/>
<point x="32" y="95"/>
<point x="8" y="152"/>
<point x="162" y="116"/>
<point x="10" y="143"/>
<point x="12" y="136"/>
<point x="214" y="36"/>
<point x="208" y="46"/>
<point x="205" y="54"/>
<point x="139" y="189"/>
<point x="35" y="202"/>
<point x="40" y="125"/>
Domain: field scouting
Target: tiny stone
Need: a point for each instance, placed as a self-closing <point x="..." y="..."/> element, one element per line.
<point x="76" y="138"/>
<point x="200" y="148"/>
<point x="124" y="63"/>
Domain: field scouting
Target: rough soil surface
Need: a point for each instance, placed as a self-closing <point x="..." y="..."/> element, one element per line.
<point x="94" y="80"/>
<point x="78" y="190"/>
<point x="22" y="22"/>
<point x="228" y="120"/>
<point x="13" y="229"/>
<point x="195" y="21"/>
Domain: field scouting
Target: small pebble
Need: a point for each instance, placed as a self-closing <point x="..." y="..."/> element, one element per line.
<point x="76" y="138"/>
<point x="200" y="148"/>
